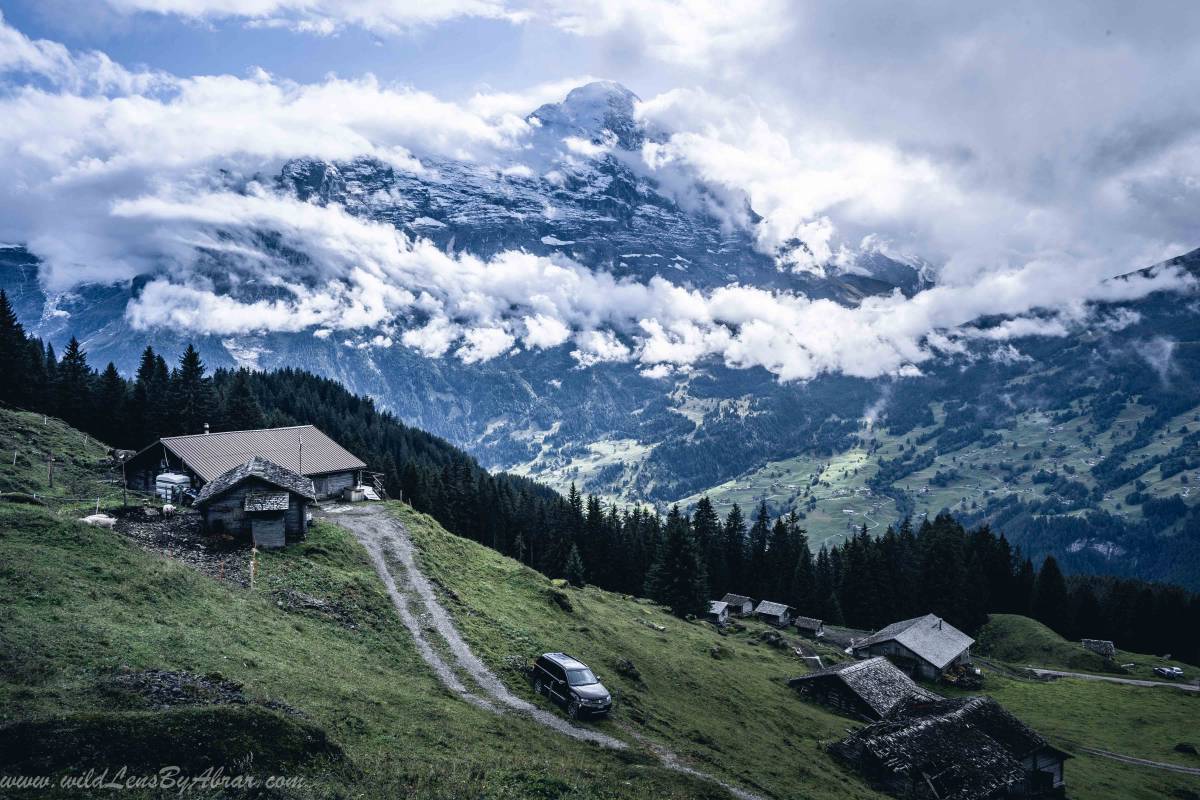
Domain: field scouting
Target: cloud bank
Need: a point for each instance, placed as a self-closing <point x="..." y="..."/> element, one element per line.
<point x="117" y="172"/>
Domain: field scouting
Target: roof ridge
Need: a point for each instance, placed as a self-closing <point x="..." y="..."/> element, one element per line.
<point x="244" y="430"/>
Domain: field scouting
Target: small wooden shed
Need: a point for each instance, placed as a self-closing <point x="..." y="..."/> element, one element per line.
<point x="777" y="614"/>
<point x="739" y="604"/>
<point x="809" y="626"/>
<point x="260" y="500"/>
<point x="718" y="612"/>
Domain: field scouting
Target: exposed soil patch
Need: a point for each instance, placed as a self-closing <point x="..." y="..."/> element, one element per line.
<point x="179" y="537"/>
<point x="160" y="689"/>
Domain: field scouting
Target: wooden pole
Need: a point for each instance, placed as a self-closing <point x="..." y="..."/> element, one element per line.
<point x="50" y="469"/>
<point x="124" y="487"/>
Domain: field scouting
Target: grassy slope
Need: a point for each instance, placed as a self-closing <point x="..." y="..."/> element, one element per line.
<point x="78" y="602"/>
<point x="735" y="714"/>
<point x="1145" y="723"/>
<point x="1022" y="641"/>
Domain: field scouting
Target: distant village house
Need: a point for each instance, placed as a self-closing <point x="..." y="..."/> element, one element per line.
<point x="777" y="614"/>
<point x="739" y="605"/>
<point x="260" y="500"/>
<point x="924" y="647"/>
<point x="809" y="626"/>
<point x="195" y="460"/>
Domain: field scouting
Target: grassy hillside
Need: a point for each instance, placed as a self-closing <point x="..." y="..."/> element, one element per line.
<point x="335" y="693"/>
<point x="80" y="476"/>
<point x="721" y="700"/>
<point x="1021" y="641"/>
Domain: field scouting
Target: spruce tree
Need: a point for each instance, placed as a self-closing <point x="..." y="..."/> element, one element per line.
<point x="734" y="543"/>
<point x="706" y="527"/>
<point x="1050" y="597"/>
<point x="192" y="399"/>
<point x="13" y="356"/>
<point x="242" y="411"/>
<point x="74" y="386"/>
<point x="112" y="423"/>
<point x="677" y="577"/>
<point x="574" y="569"/>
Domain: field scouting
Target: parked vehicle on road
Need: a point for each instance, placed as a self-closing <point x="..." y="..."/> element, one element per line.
<point x="570" y="683"/>
<point x="1170" y="673"/>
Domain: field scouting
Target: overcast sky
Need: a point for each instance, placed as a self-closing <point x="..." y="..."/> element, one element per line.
<point x="1034" y="146"/>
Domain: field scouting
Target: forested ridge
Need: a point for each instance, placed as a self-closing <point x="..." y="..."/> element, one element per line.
<point x="680" y="559"/>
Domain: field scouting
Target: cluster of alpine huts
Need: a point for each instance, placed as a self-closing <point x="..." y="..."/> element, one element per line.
<point x="917" y="743"/>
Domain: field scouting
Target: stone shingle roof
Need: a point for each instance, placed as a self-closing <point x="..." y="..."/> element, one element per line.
<point x="964" y="748"/>
<point x="811" y="623"/>
<point x="262" y="469"/>
<point x="213" y="454"/>
<point x="929" y="637"/>
<point x="876" y="681"/>
<point x="717" y="606"/>
<point x="738" y="600"/>
<point x="770" y="609"/>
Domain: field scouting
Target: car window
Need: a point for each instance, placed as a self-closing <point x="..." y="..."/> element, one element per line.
<point x="580" y="677"/>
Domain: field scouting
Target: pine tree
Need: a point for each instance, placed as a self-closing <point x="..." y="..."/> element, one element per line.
<point x="111" y="397"/>
<point x="706" y="527"/>
<point x="574" y="569"/>
<point x="677" y="577"/>
<point x="1050" y="597"/>
<point x="74" y="386"/>
<point x="13" y="356"/>
<point x="242" y="410"/>
<point x="734" y="544"/>
<point x="192" y="399"/>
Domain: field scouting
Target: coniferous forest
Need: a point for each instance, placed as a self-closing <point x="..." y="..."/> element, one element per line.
<point x="681" y="560"/>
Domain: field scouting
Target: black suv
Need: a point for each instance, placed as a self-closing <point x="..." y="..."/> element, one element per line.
<point x="569" y="681"/>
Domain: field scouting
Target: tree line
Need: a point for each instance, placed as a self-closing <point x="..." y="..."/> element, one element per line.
<point x="680" y="559"/>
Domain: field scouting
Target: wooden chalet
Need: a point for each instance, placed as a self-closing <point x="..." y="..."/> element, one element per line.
<point x="809" y="626"/>
<point x="924" y="647"/>
<point x="739" y="605"/>
<point x="260" y="500"/>
<point x="865" y="690"/>
<point x="203" y="457"/>
<point x="777" y="614"/>
<point x="967" y="748"/>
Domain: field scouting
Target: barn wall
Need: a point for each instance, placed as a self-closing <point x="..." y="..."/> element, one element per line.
<point x="225" y="513"/>
<point x="332" y="484"/>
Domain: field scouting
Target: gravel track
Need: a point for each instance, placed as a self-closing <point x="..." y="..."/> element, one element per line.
<point x="392" y="554"/>
<point x="1054" y="673"/>
<point x="1142" y="762"/>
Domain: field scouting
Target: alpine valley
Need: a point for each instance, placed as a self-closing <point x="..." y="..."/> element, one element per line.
<point x="1075" y="433"/>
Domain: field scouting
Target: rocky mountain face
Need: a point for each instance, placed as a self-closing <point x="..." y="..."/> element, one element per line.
<point x="578" y="191"/>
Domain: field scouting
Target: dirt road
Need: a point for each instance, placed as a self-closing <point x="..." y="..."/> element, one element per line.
<point x="1142" y="762"/>
<point x="1054" y="673"/>
<point x="391" y="550"/>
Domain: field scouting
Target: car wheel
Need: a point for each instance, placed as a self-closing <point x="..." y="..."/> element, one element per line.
<point x="573" y="708"/>
<point x="539" y="687"/>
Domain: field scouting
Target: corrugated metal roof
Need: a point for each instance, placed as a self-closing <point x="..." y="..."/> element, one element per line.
<point x="930" y="637"/>
<point x="213" y="454"/>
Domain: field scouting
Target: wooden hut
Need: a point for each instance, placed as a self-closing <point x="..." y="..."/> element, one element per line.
<point x="260" y="500"/>
<point x="739" y="605"/>
<point x="924" y="647"/>
<point x="863" y="689"/>
<point x="967" y="748"/>
<point x="777" y="614"/>
<point x="718" y="612"/>
<point x="809" y="626"/>
<point x="303" y="449"/>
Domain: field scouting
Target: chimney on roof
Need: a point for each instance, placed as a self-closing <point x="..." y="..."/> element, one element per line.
<point x="206" y="429"/>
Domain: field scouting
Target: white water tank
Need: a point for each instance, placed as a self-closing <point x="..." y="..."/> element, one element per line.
<point x="169" y="485"/>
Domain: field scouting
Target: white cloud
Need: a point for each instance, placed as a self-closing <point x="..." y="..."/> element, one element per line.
<point x="151" y="174"/>
<point x="325" y="17"/>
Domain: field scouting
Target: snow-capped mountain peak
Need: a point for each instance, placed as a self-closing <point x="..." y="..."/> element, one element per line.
<point x="597" y="112"/>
